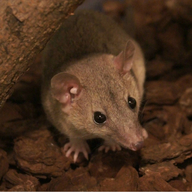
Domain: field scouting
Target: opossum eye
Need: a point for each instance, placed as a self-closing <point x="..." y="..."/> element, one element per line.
<point x="132" y="102"/>
<point x="99" y="118"/>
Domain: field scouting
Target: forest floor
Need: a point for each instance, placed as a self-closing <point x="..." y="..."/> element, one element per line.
<point x="30" y="148"/>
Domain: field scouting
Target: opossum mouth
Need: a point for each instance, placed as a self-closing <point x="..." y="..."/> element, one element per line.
<point x="128" y="146"/>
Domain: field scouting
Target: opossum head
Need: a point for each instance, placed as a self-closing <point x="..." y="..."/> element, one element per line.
<point x="100" y="98"/>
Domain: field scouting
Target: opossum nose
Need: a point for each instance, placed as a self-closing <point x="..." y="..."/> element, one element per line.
<point x="139" y="145"/>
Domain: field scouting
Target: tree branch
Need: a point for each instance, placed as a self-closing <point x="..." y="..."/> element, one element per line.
<point x="26" y="26"/>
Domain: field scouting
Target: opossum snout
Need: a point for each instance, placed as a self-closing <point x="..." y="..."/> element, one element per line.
<point x="139" y="140"/>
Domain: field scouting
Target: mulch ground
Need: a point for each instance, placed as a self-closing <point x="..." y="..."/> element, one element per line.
<point x="30" y="148"/>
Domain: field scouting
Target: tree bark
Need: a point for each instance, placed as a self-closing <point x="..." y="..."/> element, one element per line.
<point x="26" y="26"/>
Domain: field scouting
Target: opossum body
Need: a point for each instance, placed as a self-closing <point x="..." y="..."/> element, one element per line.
<point x="93" y="84"/>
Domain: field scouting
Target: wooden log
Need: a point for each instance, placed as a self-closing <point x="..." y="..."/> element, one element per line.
<point x="26" y="26"/>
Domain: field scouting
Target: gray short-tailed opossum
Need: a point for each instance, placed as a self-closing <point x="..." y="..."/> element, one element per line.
<point x="93" y="76"/>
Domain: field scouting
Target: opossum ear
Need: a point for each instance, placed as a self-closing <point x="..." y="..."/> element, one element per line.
<point x="66" y="89"/>
<point x="124" y="61"/>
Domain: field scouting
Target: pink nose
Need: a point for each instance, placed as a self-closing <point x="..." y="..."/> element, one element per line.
<point x="139" y="145"/>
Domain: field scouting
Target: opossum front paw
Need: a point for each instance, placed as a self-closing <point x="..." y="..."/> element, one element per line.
<point x="109" y="146"/>
<point x="76" y="147"/>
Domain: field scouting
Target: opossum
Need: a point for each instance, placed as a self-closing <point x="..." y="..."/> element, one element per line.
<point x="92" y="84"/>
